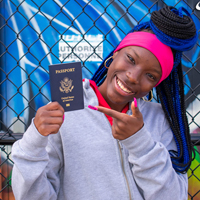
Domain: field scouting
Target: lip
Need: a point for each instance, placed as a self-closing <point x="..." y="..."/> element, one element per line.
<point x="120" y="91"/>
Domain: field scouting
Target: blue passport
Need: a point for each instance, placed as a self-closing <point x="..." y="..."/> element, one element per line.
<point x="66" y="85"/>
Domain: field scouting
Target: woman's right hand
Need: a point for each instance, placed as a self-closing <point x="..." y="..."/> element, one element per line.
<point x="49" y="118"/>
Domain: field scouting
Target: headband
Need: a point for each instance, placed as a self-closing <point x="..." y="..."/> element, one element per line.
<point x="150" y="42"/>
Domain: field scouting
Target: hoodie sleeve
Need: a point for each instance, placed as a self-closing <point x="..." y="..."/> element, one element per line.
<point x="152" y="167"/>
<point x="31" y="176"/>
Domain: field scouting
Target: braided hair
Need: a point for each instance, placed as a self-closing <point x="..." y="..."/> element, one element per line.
<point x="178" y="31"/>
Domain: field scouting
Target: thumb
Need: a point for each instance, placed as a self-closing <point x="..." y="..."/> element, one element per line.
<point x="134" y="108"/>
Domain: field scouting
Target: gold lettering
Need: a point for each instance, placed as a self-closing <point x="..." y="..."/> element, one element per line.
<point x="68" y="104"/>
<point x="68" y="100"/>
<point x="65" y="70"/>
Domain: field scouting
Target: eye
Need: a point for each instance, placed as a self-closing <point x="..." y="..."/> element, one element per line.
<point x="131" y="59"/>
<point x="151" y="76"/>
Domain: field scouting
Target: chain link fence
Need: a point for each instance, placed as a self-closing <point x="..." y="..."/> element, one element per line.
<point x="37" y="33"/>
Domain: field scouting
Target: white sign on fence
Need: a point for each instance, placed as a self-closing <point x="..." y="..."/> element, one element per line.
<point x="75" y="48"/>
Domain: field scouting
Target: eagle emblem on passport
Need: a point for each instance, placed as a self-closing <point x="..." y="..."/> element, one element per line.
<point x="66" y="85"/>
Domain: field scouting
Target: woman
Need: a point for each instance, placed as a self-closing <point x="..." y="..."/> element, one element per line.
<point x="116" y="148"/>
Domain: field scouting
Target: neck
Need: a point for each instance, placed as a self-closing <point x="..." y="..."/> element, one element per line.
<point x="113" y="105"/>
<point x="118" y="108"/>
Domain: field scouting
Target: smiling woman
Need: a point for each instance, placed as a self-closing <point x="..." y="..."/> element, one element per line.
<point x="166" y="44"/>
<point x="119" y="146"/>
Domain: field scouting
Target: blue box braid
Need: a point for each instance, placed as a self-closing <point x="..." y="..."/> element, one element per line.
<point x="178" y="31"/>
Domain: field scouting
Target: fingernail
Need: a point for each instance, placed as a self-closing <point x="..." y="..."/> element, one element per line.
<point x="135" y="102"/>
<point x="92" y="107"/>
<point x="63" y="117"/>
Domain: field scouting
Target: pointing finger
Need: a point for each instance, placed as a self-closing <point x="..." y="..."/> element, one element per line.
<point x="110" y="112"/>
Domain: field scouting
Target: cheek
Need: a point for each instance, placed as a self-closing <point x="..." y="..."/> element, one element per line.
<point x="145" y="88"/>
<point x="119" y="63"/>
<point x="113" y="68"/>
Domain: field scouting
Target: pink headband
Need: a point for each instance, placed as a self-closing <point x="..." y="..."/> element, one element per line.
<point x="150" y="42"/>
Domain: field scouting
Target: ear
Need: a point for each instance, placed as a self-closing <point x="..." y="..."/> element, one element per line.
<point x="114" y="55"/>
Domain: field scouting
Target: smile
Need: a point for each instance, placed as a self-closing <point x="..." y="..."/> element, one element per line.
<point x="123" y="87"/>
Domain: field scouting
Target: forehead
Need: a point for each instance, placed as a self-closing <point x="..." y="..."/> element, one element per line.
<point x="141" y="52"/>
<point x="143" y="55"/>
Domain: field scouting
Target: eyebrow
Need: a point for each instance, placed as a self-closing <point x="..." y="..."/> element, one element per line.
<point x="134" y="52"/>
<point x="158" y="72"/>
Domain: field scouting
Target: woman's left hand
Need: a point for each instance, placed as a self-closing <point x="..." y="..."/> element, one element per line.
<point x="124" y="125"/>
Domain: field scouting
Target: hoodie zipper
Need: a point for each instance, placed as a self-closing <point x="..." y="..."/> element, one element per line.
<point x="122" y="163"/>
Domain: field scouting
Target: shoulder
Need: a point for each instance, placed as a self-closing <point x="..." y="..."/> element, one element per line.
<point x="154" y="118"/>
<point x="151" y="109"/>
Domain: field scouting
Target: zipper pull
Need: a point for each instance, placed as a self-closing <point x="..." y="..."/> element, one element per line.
<point x="120" y="145"/>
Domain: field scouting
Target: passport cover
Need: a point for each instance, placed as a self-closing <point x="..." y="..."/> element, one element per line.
<point x="66" y="85"/>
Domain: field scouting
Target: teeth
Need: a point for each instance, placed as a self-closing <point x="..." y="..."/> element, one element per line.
<point x="120" y="84"/>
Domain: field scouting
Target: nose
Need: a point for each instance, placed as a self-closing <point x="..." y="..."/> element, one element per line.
<point x="133" y="76"/>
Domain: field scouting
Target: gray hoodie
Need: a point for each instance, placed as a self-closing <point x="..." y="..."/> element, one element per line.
<point x="84" y="162"/>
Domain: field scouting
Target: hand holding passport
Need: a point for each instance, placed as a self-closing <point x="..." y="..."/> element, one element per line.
<point x="66" y="85"/>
